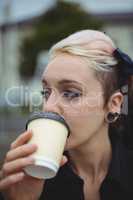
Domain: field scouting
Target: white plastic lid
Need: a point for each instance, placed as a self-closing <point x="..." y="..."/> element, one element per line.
<point x="42" y="169"/>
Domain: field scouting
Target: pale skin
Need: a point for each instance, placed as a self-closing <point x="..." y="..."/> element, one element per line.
<point x="16" y="185"/>
<point x="88" y="145"/>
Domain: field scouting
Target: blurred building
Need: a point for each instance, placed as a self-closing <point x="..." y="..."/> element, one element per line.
<point x="117" y="16"/>
<point x="119" y="26"/>
<point x="15" y="24"/>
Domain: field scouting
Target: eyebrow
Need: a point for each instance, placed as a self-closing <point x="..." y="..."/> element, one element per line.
<point x="63" y="81"/>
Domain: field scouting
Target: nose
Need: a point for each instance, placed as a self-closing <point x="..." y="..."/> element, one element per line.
<point x="52" y="104"/>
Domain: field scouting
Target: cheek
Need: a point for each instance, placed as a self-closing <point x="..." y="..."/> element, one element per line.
<point x="84" y="113"/>
<point x="84" y="121"/>
<point x="89" y="122"/>
<point x="83" y="128"/>
<point x="92" y="104"/>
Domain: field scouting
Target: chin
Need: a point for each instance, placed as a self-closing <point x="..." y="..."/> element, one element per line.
<point x="67" y="145"/>
<point x="71" y="143"/>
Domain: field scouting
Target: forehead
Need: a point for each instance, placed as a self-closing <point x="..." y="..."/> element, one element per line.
<point x="71" y="67"/>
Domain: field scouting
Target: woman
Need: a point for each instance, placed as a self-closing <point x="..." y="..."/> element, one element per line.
<point x="83" y="82"/>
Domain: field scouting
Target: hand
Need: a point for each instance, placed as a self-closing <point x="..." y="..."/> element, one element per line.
<point x="14" y="183"/>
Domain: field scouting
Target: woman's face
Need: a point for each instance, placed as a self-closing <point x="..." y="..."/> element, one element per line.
<point x="71" y="90"/>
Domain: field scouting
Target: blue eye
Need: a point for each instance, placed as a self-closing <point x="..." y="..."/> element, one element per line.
<point x="71" y="94"/>
<point x="68" y="94"/>
<point x="46" y="93"/>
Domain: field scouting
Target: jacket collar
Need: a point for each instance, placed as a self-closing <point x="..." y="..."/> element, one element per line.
<point x="121" y="165"/>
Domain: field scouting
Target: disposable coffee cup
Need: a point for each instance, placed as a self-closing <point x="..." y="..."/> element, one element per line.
<point x="50" y="132"/>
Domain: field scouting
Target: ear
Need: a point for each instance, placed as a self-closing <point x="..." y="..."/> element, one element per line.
<point x="115" y="102"/>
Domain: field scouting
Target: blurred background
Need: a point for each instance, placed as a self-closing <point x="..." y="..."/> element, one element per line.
<point x="28" y="29"/>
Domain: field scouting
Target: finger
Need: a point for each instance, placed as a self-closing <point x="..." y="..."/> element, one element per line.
<point x="22" y="139"/>
<point x="64" y="160"/>
<point x="17" y="165"/>
<point x="10" y="180"/>
<point x="21" y="151"/>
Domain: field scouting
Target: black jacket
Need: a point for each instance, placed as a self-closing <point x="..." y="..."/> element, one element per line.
<point x="118" y="184"/>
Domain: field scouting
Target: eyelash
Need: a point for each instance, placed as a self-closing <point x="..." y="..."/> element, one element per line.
<point x="44" y="92"/>
<point x="68" y="94"/>
<point x="71" y="94"/>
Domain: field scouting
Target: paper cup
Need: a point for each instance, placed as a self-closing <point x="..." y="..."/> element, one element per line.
<point x="50" y="132"/>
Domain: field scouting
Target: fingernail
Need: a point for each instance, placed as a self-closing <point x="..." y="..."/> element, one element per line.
<point x="29" y="130"/>
<point x="32" y="145"/>
<point x="21" y="174"/>
<point x="12" y="146"/>
<point x="35" y="145"/>
<point x="31" y="159"/>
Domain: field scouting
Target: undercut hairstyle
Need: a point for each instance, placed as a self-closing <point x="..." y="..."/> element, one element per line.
<point x="102" y="62"/>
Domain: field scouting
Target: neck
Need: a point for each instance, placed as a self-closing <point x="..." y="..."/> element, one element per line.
<point x="92" y="159"/>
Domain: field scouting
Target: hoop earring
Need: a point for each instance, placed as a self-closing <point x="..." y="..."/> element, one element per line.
<point x="112" y="117"/>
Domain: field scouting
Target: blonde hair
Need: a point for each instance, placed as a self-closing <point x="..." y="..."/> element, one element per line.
<point x="101" y="58"/>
